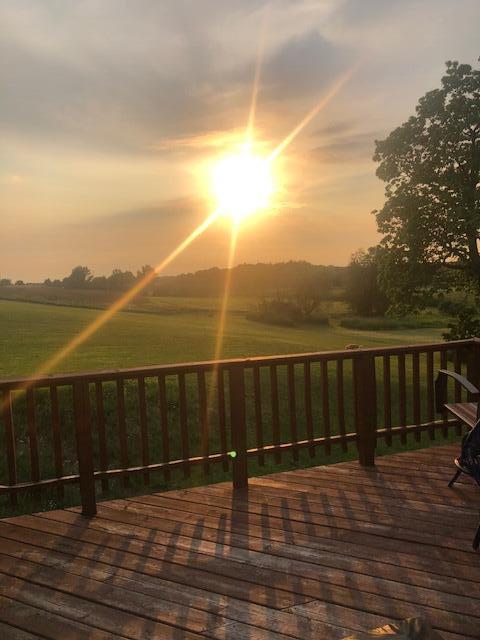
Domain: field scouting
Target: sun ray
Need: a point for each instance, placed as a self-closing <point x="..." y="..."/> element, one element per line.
<point x="321" y="104"/>
<point x="226" y="291"/>
<point x="235" y="223"/>
<point x="256" y="80"/>
<point x="223" y="313"/>
<point x="104" y="317"/>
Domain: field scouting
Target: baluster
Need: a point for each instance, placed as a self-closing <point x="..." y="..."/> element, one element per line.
<point x="222" y="422"/>
<point x="142" y="410"/>
<point x="239" y="427"/>
<point x="292" y="408"/>
<point x="326" y="407"/>
<point x="444" y="365"/>
<point x="182" y="395"/>
<point x="308" y="406"/>
<point x="83" y="433"/>
<point x="257" y="390"/>
<point x="33" y="440"/>
<point x="387" y="399"/>
<point x="402" y="397"/>
<point x="416" y="393"/>
<point x="457" y="363"/>
<point x="122" y="429"/>
<point x="366" y="407"/>
<point x="430" y="394"/>
<point x="275" y="412"/>
<point x="102" y="438"/>
<point x="57" y="439"/>
<point x="202" y="407"/>
<point x="162" y="400"/>
<point x="10" y="443"/>
<point x="341" y="404"/>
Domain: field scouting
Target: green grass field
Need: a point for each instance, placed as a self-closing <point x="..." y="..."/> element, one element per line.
<point x="31" y="333"/>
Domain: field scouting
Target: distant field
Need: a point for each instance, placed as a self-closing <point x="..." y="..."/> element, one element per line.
<point x="98" y="299"/>
<point x="30" y="333"/>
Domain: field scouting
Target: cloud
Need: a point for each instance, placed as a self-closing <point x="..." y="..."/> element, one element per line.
<point x="335" y="128"/>
<point x="116" y="84"/>
<point x="369" y="12"/>
<point x="167" y="211"/>
<point x="121" y="78"/>
<point x="350" y="148"/>
<point x="304" y="65"/>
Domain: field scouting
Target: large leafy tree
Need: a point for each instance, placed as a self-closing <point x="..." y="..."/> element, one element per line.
<point x="431" y="216"/>
<point x="80" y="278"/>
<point x="362" y="290"/>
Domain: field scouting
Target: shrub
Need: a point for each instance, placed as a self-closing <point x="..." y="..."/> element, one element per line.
<point x="279" y="312"/>
<point x="388" y="323"/>
<point x="466" y="325"/>
<point x="284" y="312"/>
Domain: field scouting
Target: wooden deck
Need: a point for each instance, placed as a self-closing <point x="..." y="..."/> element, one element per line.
<point x="315" y="553"/>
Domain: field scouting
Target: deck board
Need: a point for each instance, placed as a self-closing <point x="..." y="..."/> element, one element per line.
<point x="311" y="553"/>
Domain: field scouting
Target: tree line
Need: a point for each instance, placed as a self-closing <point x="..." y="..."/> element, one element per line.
<point x="246" y="279"/>
<point x="81" y="277"/>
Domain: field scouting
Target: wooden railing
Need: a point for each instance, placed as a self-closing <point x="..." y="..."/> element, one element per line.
<point x="154" y="423"/>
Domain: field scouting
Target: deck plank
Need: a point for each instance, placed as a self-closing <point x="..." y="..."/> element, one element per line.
<point x="319" y="552"/>
<point x="334" y="570"/>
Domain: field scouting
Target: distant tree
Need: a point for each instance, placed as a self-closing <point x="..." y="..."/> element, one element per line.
<point x="146" y="270"/>
<point x="363" y="291"/>
<point x="47" y="282"/>
<point x="78" y="279"/>
<point x="431" y="217"/>
<point x="19" y="283"/>
<point x="99" y="282"/>
<point x="309" y="294"/>
<point x="121" y="280"/>
<point x="5" y="282"/>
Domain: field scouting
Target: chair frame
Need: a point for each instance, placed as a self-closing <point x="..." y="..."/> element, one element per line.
<point x="442" y="406"/>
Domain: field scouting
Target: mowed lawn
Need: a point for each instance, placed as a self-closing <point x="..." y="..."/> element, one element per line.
<point x="31" y="333"/>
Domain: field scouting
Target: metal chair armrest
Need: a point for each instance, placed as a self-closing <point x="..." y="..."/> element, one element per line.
<point x="441" y="387"/>
<point x="466" y="384"/>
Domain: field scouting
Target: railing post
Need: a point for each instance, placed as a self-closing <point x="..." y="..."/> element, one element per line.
<point x="366" y="407"/>
<point x="239" y="427"/>
<point x="473" y="363"/>
<point x="83" y="433"/>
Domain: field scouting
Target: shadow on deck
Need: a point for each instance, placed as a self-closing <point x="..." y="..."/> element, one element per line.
<point x="313" y="553"/>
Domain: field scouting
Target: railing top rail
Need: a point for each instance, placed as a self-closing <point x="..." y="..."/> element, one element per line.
<point x="193" y="367"/>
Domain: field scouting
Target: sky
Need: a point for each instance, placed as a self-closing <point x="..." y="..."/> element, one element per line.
<point x="111" y="112"/>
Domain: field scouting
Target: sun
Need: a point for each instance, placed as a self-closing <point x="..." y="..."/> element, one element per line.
<point x="243" y="184"/>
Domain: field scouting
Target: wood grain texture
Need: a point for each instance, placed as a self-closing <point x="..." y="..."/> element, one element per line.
<point x="321" y="552"/>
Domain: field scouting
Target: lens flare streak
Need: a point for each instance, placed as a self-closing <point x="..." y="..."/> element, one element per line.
<point x="323" y="102"/>
<point x="104" y="317"/>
